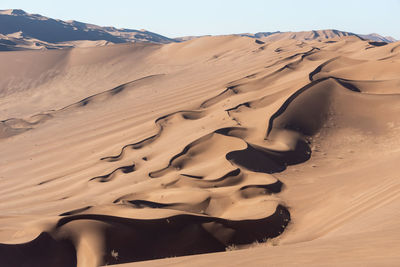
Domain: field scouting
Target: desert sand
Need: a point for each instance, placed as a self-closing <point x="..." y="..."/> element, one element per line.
<point x="20" y="30"/>
<point x="274" y="151"/>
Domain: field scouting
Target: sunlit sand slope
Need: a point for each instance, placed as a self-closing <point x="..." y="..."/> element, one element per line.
<point x="286" y="151"/>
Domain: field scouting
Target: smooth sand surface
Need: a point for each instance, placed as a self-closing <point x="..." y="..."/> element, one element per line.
<point x="282" y="152"/>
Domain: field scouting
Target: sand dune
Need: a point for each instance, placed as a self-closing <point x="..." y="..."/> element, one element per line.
<point x="321" y="35"/>
<point x="284" y="150"/>
<point x="21" y="31"/>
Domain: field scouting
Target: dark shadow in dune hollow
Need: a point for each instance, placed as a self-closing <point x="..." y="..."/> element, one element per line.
<point x="139" y="240"/>
<point x="41" y="252"/>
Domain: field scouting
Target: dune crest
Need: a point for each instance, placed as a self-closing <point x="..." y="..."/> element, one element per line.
<point x="240" y="143"/>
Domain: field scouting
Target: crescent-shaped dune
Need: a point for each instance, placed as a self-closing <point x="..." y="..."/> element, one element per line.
<point x="286" y="151"/>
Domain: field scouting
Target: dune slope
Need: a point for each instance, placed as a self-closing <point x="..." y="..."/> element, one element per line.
<point x="126" y="153"/>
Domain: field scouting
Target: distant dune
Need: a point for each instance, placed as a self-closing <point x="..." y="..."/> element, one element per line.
<point x="23" y="31"/>
<point x="276" y="150"/>
<point x="20" y="30"/>
<point x="317" y="35"/>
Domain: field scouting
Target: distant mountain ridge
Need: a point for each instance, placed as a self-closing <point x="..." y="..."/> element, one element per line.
<point x="317" y="34"/>
<point x="20" y="30"/>
<point x="378" y="38"/>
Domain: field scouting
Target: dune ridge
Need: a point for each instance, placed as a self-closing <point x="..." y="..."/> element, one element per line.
<point x="235" y="156"/>
<point x="14" y="126"/>
<point x="20" y="30"/>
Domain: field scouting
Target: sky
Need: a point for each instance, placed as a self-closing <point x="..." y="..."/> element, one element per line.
<point x="174" y="18"/>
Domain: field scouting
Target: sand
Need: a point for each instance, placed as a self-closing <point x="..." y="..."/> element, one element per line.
<point x="271" y="151"/>
<point x="24" y="31"/>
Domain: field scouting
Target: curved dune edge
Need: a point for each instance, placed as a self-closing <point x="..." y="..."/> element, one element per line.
<point x="243" y="229"/>
<point x="96" y="236"/>
<point x="221" y="188"/>
<point x="15" y="126"/>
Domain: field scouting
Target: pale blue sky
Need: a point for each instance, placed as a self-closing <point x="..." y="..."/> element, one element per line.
<point x="175" y="18"/>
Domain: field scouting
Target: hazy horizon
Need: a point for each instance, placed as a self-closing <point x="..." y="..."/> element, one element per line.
<point x="178" y="18"/>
